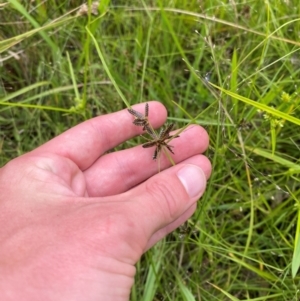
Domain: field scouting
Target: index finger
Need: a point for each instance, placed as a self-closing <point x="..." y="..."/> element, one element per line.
<point x="86" y="142"/>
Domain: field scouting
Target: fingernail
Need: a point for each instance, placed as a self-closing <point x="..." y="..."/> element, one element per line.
<point x="193" y="180"/>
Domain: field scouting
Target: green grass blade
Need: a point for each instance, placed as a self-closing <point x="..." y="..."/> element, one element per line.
<point x="152" y="276"/>
<point x="145" y="60"/>
<point x="18" y="6"/>
<point x="73" y="77"/>
<point x="23" y="91"/>
<point x="24" y="105"/>
<point x="273" y="139"/>
<point x="259" y="106"/>
<point x="9" y="43"/>
<point x="233" y="78"/>
<point x="185" y="292"/>
<point x="259" y="272"/>
<point x="229" y="296"/>
<point x="107" y="69"/>
<point x="296" y="254"/>
<point x="266" y="154"/>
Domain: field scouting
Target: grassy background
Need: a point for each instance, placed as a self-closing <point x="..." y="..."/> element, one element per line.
<point x="242" y="243"/>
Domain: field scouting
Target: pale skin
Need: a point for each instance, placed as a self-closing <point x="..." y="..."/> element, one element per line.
<point x="75" y="221"/>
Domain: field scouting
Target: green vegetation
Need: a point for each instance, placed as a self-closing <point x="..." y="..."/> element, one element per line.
<point x="243" y="242"/>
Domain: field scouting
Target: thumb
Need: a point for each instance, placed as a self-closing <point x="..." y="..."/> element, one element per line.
<point x="164" y="201"/>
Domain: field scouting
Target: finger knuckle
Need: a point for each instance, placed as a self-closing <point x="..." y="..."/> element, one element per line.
<point x="164" y="197"/>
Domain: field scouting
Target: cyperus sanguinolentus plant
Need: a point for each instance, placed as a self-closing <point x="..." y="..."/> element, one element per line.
<point x="158" y="140"/>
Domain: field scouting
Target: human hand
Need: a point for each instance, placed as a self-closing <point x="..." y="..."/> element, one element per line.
<point x="74" y="220"/>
